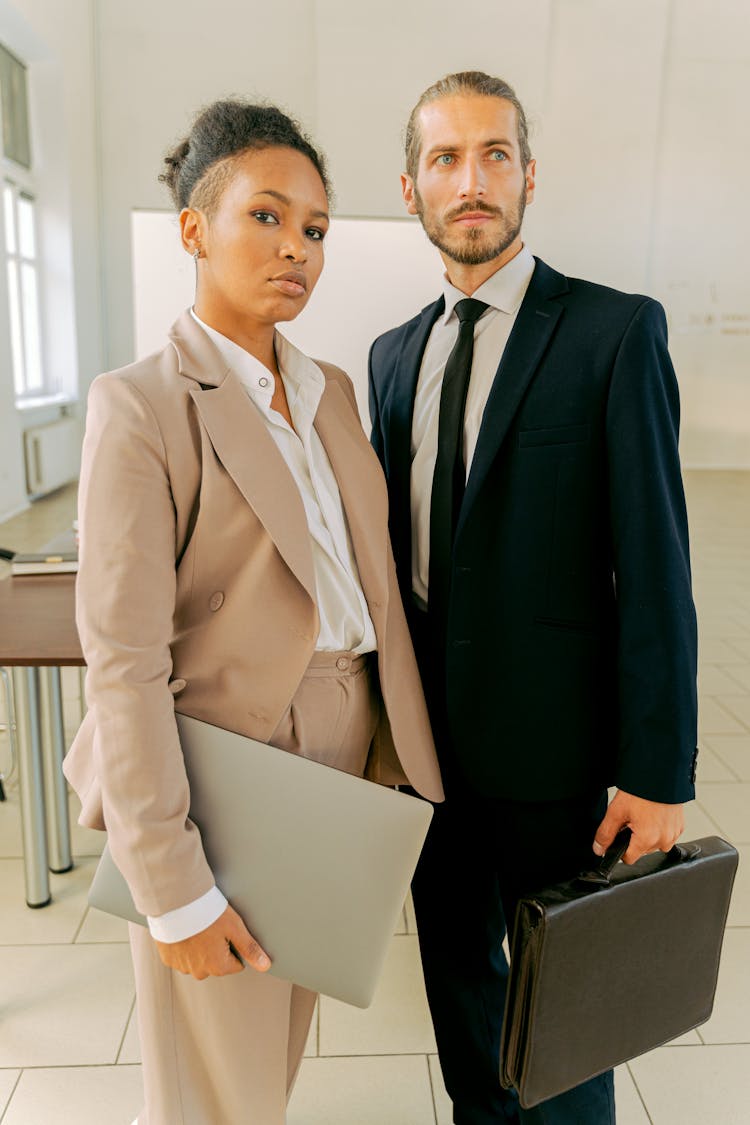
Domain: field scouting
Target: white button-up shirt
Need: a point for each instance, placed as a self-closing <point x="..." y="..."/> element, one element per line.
<point x="345" y="622"/>
<point x="503" y="292"/>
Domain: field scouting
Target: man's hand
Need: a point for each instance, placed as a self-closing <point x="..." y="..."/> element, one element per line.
<point x="654" y="827"/>
<point x="208" y="954"/>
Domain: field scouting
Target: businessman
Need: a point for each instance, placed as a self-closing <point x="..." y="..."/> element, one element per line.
<point x="528" y="423"/>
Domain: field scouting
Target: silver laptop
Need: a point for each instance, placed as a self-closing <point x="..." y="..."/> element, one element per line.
<point x="316" y="862"/>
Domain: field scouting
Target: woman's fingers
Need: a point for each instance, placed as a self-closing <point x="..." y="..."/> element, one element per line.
<point x="223" y="948"/>
<point x="246" y="945"/>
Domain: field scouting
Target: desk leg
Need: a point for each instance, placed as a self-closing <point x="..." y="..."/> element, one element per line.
<point x="30" y="782"/>
<point x="55" y="787"/>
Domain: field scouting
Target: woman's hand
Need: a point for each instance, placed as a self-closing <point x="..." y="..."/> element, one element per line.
<point x="216" y="951"/>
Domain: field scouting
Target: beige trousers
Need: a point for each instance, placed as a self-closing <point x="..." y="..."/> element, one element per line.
<point x="225" y="1051"/>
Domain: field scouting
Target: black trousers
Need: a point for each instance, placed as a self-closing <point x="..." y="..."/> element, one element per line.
<point x="479" y="858"/>
<point x="481" y="855"/>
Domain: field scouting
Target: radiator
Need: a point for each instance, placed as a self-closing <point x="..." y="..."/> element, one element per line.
<point x="53" y="455"/>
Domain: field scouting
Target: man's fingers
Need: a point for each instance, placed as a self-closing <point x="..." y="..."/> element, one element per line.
<point x="606" y="832"/>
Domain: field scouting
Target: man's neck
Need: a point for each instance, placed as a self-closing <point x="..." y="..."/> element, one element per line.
<point x="469" y="278"/>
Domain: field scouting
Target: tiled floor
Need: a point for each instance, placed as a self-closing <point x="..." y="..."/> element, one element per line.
<point x="68" y="1048"/>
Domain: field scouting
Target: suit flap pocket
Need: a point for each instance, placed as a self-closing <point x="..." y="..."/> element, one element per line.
<point x="555" y="435"/>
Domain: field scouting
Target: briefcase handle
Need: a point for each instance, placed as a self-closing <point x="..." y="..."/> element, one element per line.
<point x="601" y="874"/>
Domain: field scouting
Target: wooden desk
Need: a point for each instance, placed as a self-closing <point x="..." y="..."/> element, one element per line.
<point x="37" y="636"/>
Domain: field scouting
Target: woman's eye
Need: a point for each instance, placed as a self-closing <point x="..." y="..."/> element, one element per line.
<point x="445" y="159"/>
<point x="264" y="217"/>
<point x="315" y="233"/>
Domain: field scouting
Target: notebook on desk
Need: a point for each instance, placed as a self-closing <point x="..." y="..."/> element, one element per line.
<point x="317" y="862"/>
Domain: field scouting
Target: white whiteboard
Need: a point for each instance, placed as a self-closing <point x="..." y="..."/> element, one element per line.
<point x="378" y="273"/>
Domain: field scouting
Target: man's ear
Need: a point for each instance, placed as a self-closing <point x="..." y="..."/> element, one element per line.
<point x="530" y="181"/>
<point x="408" y="191"/>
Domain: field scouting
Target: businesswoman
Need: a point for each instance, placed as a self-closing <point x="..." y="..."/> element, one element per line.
<point x="235" y="565"/>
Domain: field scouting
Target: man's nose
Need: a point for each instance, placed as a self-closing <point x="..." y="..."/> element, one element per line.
<point x="472" y="183"/>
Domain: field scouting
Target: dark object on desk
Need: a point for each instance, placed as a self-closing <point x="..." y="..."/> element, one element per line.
<point x="612" y="964"/>
<point x="42" y="563"/>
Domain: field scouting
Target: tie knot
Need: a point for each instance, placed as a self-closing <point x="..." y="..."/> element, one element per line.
<point x="469" y="311"/>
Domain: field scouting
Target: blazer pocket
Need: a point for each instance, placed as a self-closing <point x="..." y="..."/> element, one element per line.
<point x="555" y="435"/>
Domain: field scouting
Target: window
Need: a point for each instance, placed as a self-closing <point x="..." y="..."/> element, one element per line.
<point x="19" y="224"/>
<point x="23" y="290"/>
<point x="15" y="110"/>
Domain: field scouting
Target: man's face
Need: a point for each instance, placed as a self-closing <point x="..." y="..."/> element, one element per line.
<point x="470" y="191"/>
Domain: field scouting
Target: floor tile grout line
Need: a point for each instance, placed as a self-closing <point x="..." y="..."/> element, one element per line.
<point x="125" y="1032"/>
<point x="432" y="1089"/>
<point x="640" y="1095"/>
<point x="12" y="1094"/>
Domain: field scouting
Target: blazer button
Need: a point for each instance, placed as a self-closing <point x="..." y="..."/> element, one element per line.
<point x="343" y="663"/>
<point x="176" y="685"/>
<point x="216" y="601"/>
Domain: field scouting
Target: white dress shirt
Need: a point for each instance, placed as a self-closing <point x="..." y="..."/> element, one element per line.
<point x="503" y="292"/>
<point x="345" y="622"/>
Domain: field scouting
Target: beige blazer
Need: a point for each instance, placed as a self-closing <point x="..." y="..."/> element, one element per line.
<point x="196" y="591"/>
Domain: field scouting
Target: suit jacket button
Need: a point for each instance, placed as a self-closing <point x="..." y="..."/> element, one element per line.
<point x="177" y="685"/>
<point x="216" y="601"/>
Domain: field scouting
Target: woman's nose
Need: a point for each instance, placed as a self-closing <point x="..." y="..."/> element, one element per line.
<point x="294" y="249"/>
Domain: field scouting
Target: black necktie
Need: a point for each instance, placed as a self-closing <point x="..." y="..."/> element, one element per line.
<point x="449" y="480"/>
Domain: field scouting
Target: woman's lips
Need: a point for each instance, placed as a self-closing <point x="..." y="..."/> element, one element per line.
<point x="292" y="284"/>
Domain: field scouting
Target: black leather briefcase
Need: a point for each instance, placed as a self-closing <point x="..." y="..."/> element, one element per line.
<point x="613" y="963"/>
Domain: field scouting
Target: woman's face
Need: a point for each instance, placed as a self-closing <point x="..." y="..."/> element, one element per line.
<point x="263" y="246"/>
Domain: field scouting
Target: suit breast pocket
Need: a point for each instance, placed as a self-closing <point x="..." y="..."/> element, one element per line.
<point x="554" y="435"/>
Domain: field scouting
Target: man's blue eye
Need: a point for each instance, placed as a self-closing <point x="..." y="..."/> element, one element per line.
<point x="499" y="155"/>
<point x="445" y="158"/>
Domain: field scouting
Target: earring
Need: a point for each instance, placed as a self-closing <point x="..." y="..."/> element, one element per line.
<point x="196" y="254"/>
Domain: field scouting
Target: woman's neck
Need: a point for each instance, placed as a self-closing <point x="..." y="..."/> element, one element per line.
<point x="256" y="338"/>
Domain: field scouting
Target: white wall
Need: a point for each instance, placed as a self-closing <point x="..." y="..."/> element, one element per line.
<point x="638" y="111"/>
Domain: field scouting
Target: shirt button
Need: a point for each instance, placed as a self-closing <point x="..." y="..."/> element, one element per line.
<point x="342" y="663"/>
<point x="216" y="601"/>
<point x="263" y="382"/>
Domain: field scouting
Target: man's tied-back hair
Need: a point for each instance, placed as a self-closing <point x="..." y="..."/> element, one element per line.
<point x="464" y="82"/>
<point x="199" y="167"/>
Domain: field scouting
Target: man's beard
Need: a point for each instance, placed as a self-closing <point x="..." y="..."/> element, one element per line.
<point x="472" y="246"/>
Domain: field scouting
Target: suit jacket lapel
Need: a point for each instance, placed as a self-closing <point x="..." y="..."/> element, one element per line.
<point x="245" y="448"/>
<point x="400" y="413"/>
<point x="533" y="329"/>
<point x="363" y="493"/>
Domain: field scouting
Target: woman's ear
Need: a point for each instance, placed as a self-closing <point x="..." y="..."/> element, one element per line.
<point x="193" y="229"/>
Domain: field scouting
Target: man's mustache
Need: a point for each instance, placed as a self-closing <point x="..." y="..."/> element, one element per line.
<point x="474" y="207"/>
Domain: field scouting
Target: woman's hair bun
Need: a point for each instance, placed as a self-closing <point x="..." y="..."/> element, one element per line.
<point x="227" y="128"/>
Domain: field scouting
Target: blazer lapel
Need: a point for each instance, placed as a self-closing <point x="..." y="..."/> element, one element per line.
<point x="245" y="448"/>
<point x="534" y="327"/>
<point x="363" y="493"/>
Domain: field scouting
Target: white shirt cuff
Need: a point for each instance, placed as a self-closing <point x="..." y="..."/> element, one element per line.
<point x="185" y="921"/>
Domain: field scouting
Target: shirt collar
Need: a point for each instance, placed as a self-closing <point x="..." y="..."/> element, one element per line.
<point x="303" y="379"/>
<point x="503" y="290"/>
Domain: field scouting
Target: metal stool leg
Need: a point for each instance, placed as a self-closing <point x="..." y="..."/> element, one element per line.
<point x="82" y="685"/>
<point x="55" y="788"/>
<point x="31" y="790"/>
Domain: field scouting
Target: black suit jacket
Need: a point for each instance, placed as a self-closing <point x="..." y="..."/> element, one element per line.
<point x="571" y="651"/>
